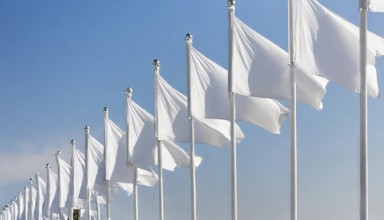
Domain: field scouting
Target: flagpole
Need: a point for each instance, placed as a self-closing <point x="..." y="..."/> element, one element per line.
<point x="73" y="143"/>
<point x="86" y="135"/>
<point x="128" y="95"/>
<point x="363" y="113"/>
<point x="48" y="190"/>
<point x="188" y="41"/>
<point x="97" y="206"/>
<point x="232" y="100"/>
<point x="38" y="196"/>
<point x="156" y="70"/>
<point x="292" y="103"/>
<point x="105" y="153"/>
<point x="30" y="196"/>
<point x="59" y="184"/>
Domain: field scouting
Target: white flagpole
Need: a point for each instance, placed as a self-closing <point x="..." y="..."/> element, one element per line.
<point x="59" y="185"/>
<point x="188" y="41"/>
<point x="30" y="198"/>
<point x="72" y="187"/>
<point x="128" y="98"/>
<point x="38" y="196"/>
<point x="48" y="190"/>
<point x="105" y="153"/>
<point x="232" y="100"/>
<point x="363" y="113"/>
<point x="292" y="65"/>
<point x="86" y="132"/>
<point x="26" y="203"/>
<point x="156" y="70"/>
<point x="97" y="206"/>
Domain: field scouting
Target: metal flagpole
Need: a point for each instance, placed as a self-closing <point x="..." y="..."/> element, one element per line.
<point x="156" y="70"/>
<point x="292" y="67"/>
<point x="72" y="187"/>
<point x="188" y="41"/>
<point x="97" y="206"/>
<point x="59" y="188"/>
<point x="105" y="153"/>
<point x="86" y="135"/>
<point x="363" y="113"/>
<point x="38" y="197"/>
<point x="232" y="100"/>
<point x="30" y="198"/>
<point x="48" y="189"/>
<point x="128" y="98"/>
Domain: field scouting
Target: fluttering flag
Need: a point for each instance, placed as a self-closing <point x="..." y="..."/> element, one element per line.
<point x="173" y="120"/>
<point x="21" y="205"/>
<point x="328" y="45"/>
<point x="51" y="200"/>
<point x="96" y="165"/>
<point x="41" y="191"/>
<point x="142" y="141"/>
<point x="209" y="94"/>
<point x="33" y="202"/>
<point x="79" y="187"/>
<point x="15" y="210"/>
<point x="64" y="181"/>
<point x="118" y="169"/>
<point x="376" y="5"/>
<point x="25" y="214"/>
<point x="261" y="69"/>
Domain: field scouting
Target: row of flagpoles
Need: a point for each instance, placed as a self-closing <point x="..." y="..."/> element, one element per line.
<point x="322" y="46"/>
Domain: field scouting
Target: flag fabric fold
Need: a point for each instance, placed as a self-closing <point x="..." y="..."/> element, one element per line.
<point x="261" y="69"/>
<point x="21" y="205"/>
<point x="376" y="5"/>
<point x="209" y="86"/>
<point x="142" y="141"/>
<point x="173" y="120"/>
<point x="42" y="191"/>
<point x="96" y="165"/>
<point x="64" y="181"/>
<point x="328" y="45"/>
<point x="78" y="169"/>
<point x="52" y="194"/>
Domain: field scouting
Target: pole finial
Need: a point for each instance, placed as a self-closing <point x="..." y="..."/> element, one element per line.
<point x="47" y="166"/>
<point x="129" y="92"/>
<point x="231" y="3"/>
<point x="86" y="128"/>
<point x="57" y="154"/>
<point x="188" y="38"/>
<point x="156" y="63"/>
<point x="105" y="109"/>
<point x="73" y="142"/>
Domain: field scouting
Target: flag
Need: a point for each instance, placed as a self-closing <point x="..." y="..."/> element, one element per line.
<point x="376" y="5"/>
<point x="260" y="68"/>
<point x="173" y="120"/>
<point x="143" y="144"/>
<point x="25" y="214"/>
<point x="64" y="181"/>
<point x="21" y="205"/>
<point x="96" y="165"/>
<point x="209" y="95"/>
<point x="15" y="210"/>
<point x="78" y="167"/>
<point x="118" y="169"/>
<point x="33" y="202"/>
<point x="41" y="190"/>
<point x="51" y="194"/>
<point x="327" y="45"/>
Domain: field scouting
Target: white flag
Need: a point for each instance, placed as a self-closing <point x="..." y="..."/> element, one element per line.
<point x="15" y="210"/>
<point x="96" y="165"/>
<point x="21" y="205"/>
<point x="120" y="171"/>
<point x="26" y="204"/>
<point x="78" y="169"/>
<point x="174" y="125"/>
<point x="209" y="95"/>
<point x="64" y="181"/>
<point x="327" y="45"/>
<point x="52" y="180"/>
<point x="41" y="190"/>
<point x="376" y="5"/>
<point x="261" y="69"/>
<point x="142" y="141"/>
<point x="33" y="202"/>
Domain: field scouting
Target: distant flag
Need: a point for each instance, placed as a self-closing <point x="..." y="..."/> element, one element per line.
<point x="262" y="70"/>
<point x="173" y="120"/>
<point x="209" y="93"/>
<point x="78" y="180"/>
<point x="328" y="45"/>
<point x="41" y="192"/>
<point x="52" y="193"/>
<point x="33" y="202"/>
<point x="376" y="5"/>
<point x="15" y="210"/>
<point x="21" y="205"/>
<point x="143" y="141"/>
<point x="64" y="179"/>
<point x="96" y="165"/>
<point x="25" y="215"/>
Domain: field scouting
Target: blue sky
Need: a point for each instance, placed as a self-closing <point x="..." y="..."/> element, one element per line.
<point x="62" y="62"/>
